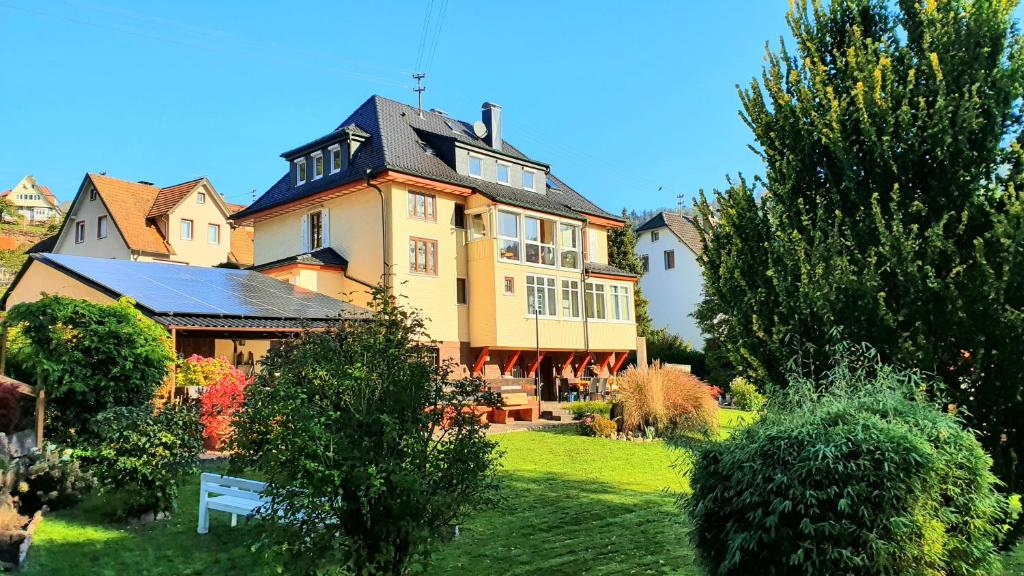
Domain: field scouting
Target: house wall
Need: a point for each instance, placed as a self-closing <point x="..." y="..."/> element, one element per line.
<point x="26" y="206"/>
<point x="41" y="279"/>
<point x="198" y="251"/>
<point x="331" y="282"/>
<point x="673" y="294"/>
<point x="89" y="211"/>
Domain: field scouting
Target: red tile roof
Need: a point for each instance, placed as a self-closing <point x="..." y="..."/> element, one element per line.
<point x="129" y="204"/>
<point x="169" y="197"/>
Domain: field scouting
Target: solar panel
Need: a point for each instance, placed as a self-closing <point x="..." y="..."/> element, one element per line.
<point x="177" y="289"/>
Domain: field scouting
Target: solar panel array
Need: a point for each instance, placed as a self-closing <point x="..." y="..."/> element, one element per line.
<point x="176" y="289"/>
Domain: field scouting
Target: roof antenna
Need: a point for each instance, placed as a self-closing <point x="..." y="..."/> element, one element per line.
<point x="419" y="76"/>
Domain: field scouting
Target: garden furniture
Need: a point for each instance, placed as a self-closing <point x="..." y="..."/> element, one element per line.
<point x="228" y="494"/>
<point x="516" y="406"/>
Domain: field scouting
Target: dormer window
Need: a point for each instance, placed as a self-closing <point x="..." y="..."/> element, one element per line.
<point x="201" y="198"/>
<point x="335" y="152"/>
<point x="528" y="179"/>
<point x="300" y="171"/>
<point x="476" y="166"/>
<point x="318" y="165"/>
<point x="503" y="171"/>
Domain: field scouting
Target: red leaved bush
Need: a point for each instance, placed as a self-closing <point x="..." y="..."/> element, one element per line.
<point x="223" y="396"/>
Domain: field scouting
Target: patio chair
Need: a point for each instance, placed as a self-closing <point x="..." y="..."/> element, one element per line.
<point x="602" y="388"/>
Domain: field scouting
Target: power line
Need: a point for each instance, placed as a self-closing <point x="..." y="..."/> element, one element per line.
<point x="437" y="33"/>
<point x="423" y="35"/>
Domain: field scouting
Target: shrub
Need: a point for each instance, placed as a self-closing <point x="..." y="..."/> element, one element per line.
<point x="596" y="425"/>
<point x="359" y="430"/>
<point x="667" y="348"/>
<point x="91" y="357"/>
<point x="53" y="477"/>
<point x="143" y="455"/>
<point x="864" y="479"/>
<point x="745" y="395"/>
<point x="219" y="403"/>
<point x="581" y="409"/>
<point x="10" y="519"/>
<point x="668" y="399"/>
<point x="10" y="408"/>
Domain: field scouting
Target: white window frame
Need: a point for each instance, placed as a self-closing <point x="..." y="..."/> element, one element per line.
<point x="210" y="228"/>
<point x="655" y="235"/>
<point x="469" y="168"/>
<point x="571" y="288"/>
<point x="518" y="238"/>
<point x="318" y="155"/>
<point x="300" y="172"/>
<point x="310" y="229"/>
<point x="335" y="166"/>
<point x="539" y="243"/>
<point x="101" y="227"/>
<point x="578" y="249"/>
<point x="533" y="175"/>
<point x="549" y="286"/>
<point x="80" y="232"/>
<point x="191" y="229"/>
<point x="508" y="173"/>
<point x="590" y="291"/>
<point x="621" y="302"/>
<point x="201" y="198"/>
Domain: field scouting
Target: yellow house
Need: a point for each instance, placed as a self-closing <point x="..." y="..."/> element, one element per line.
<point x="187" y="223"/>
<point x="33" y="201"/>
<point x="507" y="262"/>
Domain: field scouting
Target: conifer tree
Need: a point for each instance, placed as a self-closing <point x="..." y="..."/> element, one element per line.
<point x="622" y="254"/>
<point x="890" y="211"/>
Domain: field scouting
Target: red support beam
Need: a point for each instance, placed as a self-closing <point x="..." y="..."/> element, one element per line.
<point x="619" y="361"/>
<point x="479" y="364"/>
<point x="583" y="365"/>
<point x="511" y="362"/>
<point x="604" y="363"/>
<point x="536" y="364"/>
<point x="568" y="363"/>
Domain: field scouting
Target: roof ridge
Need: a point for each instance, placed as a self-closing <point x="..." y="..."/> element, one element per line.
<point x="162" y="188"/>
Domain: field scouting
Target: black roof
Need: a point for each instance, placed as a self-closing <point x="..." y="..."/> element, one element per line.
<point x="45" y="245"/>
<point x="598" y="268"/>
<point x="322" y="257"/>
<point x="398" y="138"/>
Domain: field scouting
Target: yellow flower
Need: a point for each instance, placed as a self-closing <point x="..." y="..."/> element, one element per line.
<point x="23" y="487"/>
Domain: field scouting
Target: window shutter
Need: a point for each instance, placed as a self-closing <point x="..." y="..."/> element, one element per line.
<point x="325" y="226"/>
<point x="305" y="233"/>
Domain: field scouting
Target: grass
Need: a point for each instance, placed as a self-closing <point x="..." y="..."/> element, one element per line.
<point x="573" y="505"/>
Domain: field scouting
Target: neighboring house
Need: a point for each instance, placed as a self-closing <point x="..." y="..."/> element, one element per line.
<point x="33" y="201"/>
<point x="474" y="233"/>
<point x="186" y="223"/>
<point x="668" y="245"/>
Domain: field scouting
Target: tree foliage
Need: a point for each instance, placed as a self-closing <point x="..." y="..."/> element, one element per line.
<point x="866" y="478"/>
<point x="622" y="254"/>
<point x="90" y="357"/>
<point x="891" y="204"/>
<point x="369" y="450"/>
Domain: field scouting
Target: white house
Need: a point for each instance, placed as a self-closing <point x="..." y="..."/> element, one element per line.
<point x="668" y="245"/>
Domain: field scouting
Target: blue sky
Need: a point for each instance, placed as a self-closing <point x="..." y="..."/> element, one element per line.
<point x="620" y="98"/>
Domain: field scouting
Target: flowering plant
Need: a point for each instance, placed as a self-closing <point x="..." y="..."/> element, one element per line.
<point x="225" y="391"/>
<point x="715" y="391"/>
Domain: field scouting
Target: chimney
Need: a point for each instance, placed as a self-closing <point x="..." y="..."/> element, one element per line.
<point x="492" y="120"/>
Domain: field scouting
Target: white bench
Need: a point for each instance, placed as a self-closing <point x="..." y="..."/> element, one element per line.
<point x="226" y="494"/>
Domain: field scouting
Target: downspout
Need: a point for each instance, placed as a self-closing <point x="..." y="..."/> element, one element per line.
<point x="383" y="229"/>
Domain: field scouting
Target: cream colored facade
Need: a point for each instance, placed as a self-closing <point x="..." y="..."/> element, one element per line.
<point x="492" y="325"/>
<point x="32" y="203"/>
<point x="40" y="280"/>
<point x="90" y="211"/>
<point x="199" y="250"/>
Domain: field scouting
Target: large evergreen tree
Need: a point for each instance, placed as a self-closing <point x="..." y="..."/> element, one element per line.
<point x="891" y="210"/>
<point x="622" y="254"/>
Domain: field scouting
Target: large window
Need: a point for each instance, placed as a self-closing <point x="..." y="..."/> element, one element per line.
<point x="540" y="295"/>
<point x="508" y="236"/>
<point x="101" y="227"/>
<point x="620" y="303"/>
<point x="316" y="230"/>
<point x="476" y="166"/>
<point x="594" y="301"/>
<point x="422" y="206"/>
<point x="300" y="171"/>
<point x="186" y="229"/>
<point x="570" y="298"/>
<point x="213" y="234"/>
<point x="423" y="256"/>
<point x="569" y="245"/>
<point x="540" y="241"/>
<point x="79" y="232"/>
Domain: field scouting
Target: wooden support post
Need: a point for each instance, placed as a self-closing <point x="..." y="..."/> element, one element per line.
<point x="3" y="349"/>
<point x="536" y="364"/>
<point x="568" y="363"/>
<point x="40" y="410"/>
<point x="619" y="361"/>
<point x="604" y="363"/>
<point x="583" y="364"/>
<point x="511" y="363"/>
<point x="479" y="364"/>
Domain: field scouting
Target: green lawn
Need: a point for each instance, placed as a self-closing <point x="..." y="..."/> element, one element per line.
<point x="574" y="505"/>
